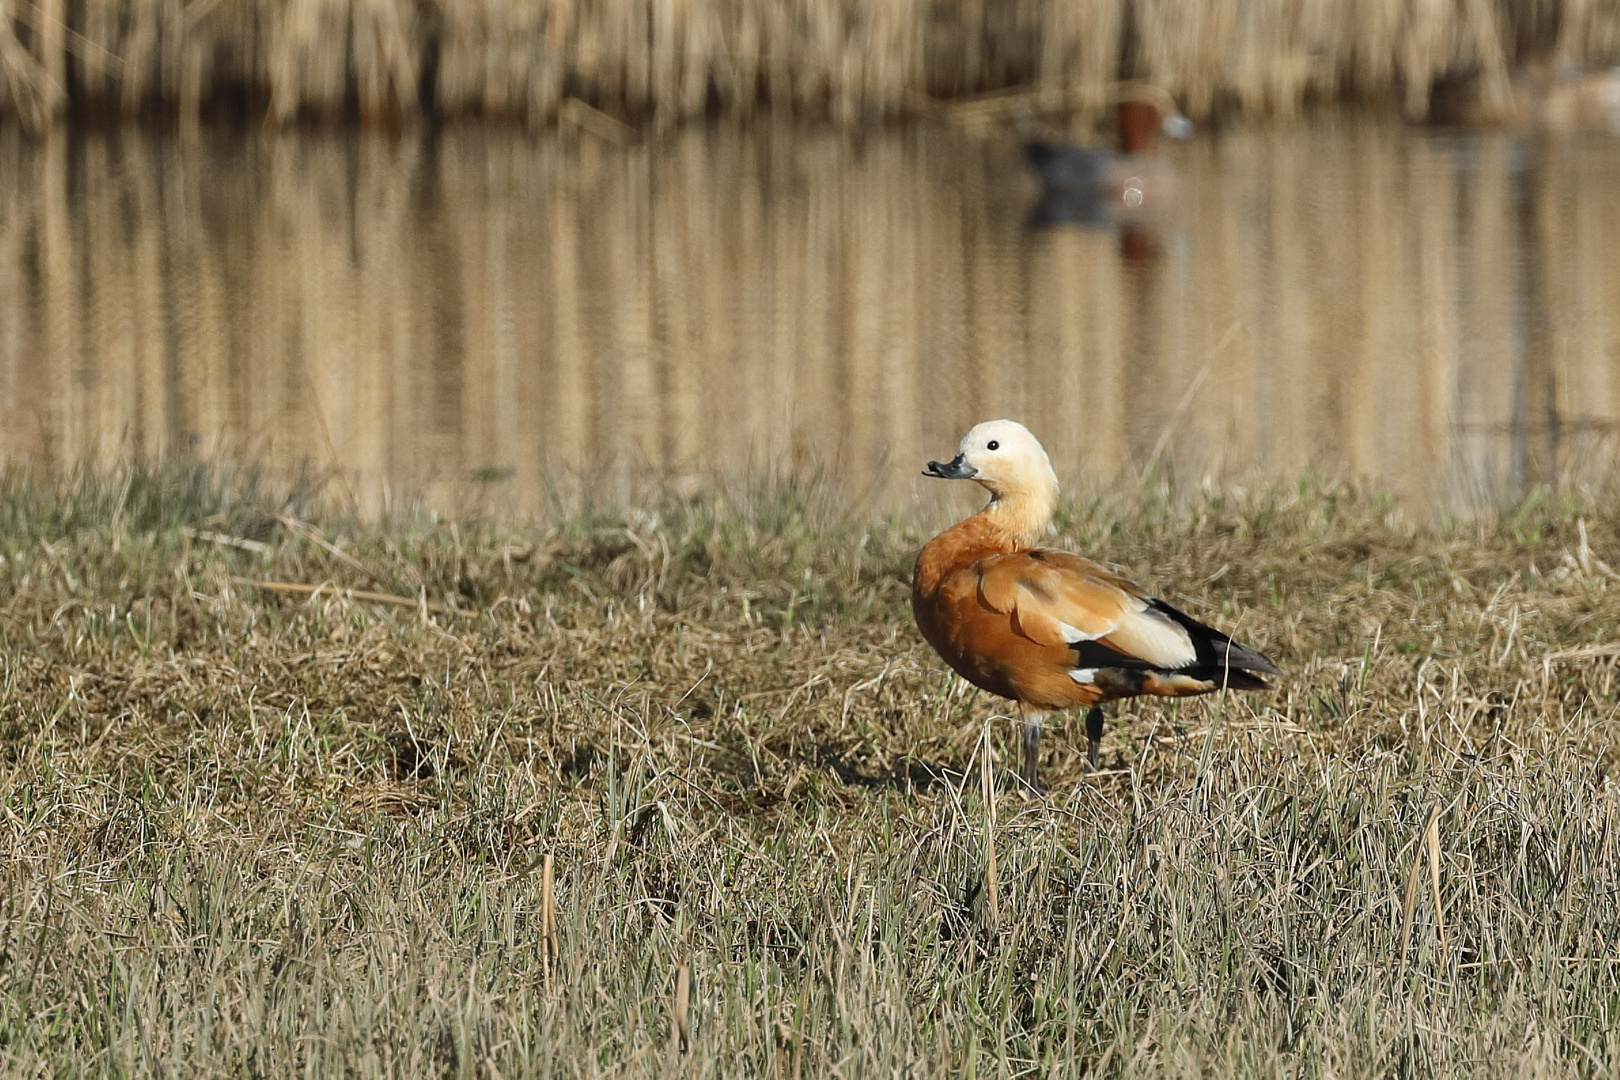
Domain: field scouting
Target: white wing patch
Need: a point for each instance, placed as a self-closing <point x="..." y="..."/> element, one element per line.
<point x="1151" y="637"/>
<point x="1074" y="635"/>
<point x="1084" y="676"/>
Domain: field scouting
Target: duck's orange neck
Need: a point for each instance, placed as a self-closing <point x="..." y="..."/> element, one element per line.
<point x="1021" y="507"/>
<point x="1022" y="517"/>
<point x="1010" y="523"/>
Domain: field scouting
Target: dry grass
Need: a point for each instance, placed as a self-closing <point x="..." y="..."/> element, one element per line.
<point x="649" y="61"/>
<point x="700" y="748"/>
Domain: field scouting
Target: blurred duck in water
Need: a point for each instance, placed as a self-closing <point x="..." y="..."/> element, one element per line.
<point x="1581" y="102"/>
<point x="1553" y="96"/>
<point x="1097" y="186"/>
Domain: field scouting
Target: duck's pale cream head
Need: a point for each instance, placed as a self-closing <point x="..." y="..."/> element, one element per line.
<point x="1011" y="464"/>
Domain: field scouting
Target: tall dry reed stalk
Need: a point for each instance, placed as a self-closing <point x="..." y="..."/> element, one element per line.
<point x="668" y="60"/>
<point x="548" y="924"/>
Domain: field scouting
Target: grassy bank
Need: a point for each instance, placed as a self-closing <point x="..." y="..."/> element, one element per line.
<point x="261" y="831"/>
<point x="641" y="60"/>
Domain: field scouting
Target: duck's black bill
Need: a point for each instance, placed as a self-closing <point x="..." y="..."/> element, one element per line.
<point x="954" y="469"/>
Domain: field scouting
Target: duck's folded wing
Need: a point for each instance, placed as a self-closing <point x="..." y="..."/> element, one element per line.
<point x="1057" y="598"/>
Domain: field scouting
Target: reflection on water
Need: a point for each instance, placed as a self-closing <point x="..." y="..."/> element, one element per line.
<point x="1433" y="313"/>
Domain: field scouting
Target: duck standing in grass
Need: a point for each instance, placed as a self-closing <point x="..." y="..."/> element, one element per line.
<point x="1044" y="627"/>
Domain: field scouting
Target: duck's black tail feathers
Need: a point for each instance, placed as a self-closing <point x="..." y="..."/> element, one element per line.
<point x="1221" y="659"/>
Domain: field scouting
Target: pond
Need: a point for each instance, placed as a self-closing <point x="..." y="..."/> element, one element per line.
<point x="476" y="312"/>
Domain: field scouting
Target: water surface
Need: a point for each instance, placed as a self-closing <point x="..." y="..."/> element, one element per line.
<point x="481" y="310"/>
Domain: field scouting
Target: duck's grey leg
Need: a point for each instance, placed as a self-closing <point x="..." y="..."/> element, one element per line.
<point x="1032" y="750"/>
<point x="1094" y="730"/>
<point x="1031" y="739"/>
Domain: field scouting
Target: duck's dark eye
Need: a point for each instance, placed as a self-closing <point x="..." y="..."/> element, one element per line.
<point x="993" y="445"/>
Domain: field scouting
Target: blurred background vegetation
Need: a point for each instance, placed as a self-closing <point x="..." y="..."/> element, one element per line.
<point x="663" y="61"/>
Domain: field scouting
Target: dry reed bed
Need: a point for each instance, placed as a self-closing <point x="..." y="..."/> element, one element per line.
<point x="412" y="313"/>
<point x="261" y="833"/>
<point x="541" y="60"/>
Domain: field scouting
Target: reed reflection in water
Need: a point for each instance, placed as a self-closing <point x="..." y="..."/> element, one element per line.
<point x="1432" y="313"/>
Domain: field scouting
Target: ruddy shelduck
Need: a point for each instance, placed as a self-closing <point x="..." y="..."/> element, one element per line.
<point x="1045" y="627"/>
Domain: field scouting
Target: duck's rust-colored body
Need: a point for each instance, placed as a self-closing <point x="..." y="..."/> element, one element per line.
<point x="1047" y="628"/>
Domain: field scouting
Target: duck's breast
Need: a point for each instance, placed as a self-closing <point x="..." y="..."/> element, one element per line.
<point x="984" y="645"/>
